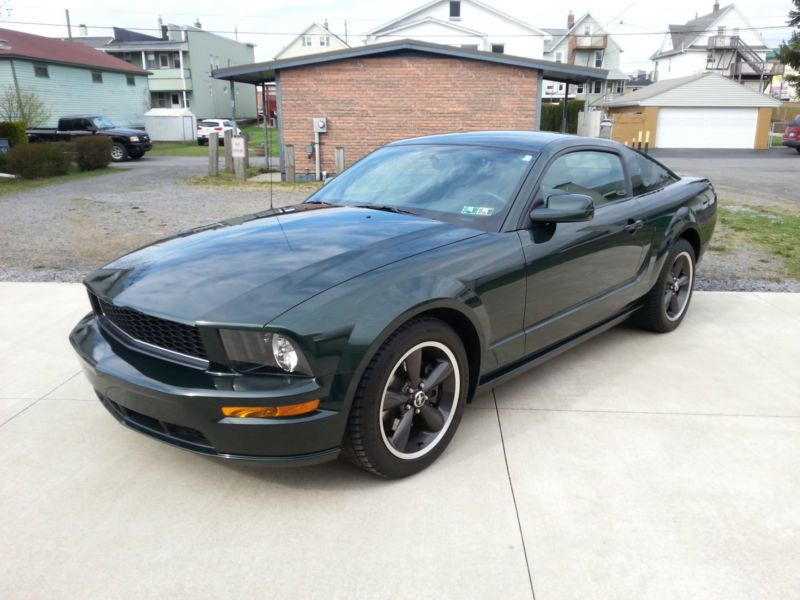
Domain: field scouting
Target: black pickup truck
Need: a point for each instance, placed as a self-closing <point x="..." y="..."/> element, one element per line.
<point x="126" y="143"/>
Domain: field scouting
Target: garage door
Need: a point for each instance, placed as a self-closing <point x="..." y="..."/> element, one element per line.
<point x="706" y="127"/>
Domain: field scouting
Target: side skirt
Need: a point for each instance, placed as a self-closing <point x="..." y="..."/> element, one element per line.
<point x="495" y="378"/>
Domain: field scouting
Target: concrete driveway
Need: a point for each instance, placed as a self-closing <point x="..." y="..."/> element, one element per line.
<point x="636" y="466"/>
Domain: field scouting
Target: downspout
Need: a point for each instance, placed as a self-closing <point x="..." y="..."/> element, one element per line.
<point x="539" y="94"/>
<point x="564" y="111"/>
<point x="233" y="105"/>
<point x="279" y="110"/>
<point x="183" y="78"/>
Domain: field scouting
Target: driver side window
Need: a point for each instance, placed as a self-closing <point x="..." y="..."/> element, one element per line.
<point x="598" y="175"/>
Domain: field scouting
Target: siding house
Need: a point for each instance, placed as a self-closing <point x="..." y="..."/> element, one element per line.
<point x="180" y="64"/>
<point x="467" y="24"/>
<point x="586" y="43"/>
<point x="71" y="78"/>
<point x="723" y="42"/>
<point x="316" y="38"/>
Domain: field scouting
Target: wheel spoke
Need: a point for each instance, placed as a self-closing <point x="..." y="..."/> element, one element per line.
<point x="442" y="371"/>
<point x="683" y="280"/>
<point x="414" y="368"/>
<point x="677" y="267"/>
<point x="393" y="399"/>
<point x="400" y="437"/>
<point x="432" y="417"/>
<point x="674" y="304"/>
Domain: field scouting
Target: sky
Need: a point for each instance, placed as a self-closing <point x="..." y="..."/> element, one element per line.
<point x="637" y="24"/>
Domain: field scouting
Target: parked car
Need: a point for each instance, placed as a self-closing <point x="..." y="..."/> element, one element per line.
<point x="207" y="126"/>
<point x="791" y="135"/>
<point x="362" y="321"/>
<point x="126" y="143"/>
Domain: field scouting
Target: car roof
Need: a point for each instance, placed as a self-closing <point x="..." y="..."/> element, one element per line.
<point x="88" y="116"/>
<point x="535" y="141"/>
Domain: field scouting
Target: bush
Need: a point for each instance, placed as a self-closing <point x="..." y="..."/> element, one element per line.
<point x="552" y="114"/>
<point x="15" y="132"/>
<point x="34" y="161"/>
<point x="94" y="152"/>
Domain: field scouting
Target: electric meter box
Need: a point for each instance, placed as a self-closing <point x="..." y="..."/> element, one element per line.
<point x="320" y="125"/>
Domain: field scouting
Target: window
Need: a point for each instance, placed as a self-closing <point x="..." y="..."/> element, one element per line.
<point x="131" y="80"/>
<point x="595" y="174"/>
<point x="579" y="89"/>
<point x="455" y="10"/>
<point x="40" y="70"/>
<point x="560" y="87"/>
<point x="736" y="32"/>
<point x="598" y="59"/>
<point x="598" y="87"/>
<point x="126" y="56"/>
<point x="151" y="60"/>
<point x="308" y="41"/>
<point x="325" y="40"/>
<point x="498" y="48"/>
<point x="163" y="60"/>
<point x="587" y="30"/>
<point x="647" y="175"/>
<point x="721" y="30"/>
<point x="559" y="57"/>
<point x="97" y="77"/>
<point x="620" y="87"/>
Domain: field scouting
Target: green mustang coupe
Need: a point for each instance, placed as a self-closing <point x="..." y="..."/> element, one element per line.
<point x="362" y="321"/>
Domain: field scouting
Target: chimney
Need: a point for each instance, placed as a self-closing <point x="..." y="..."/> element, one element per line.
<point x="197" y="24"/>
<point x="716" y="7"/>
<point x="83" y="30"/>
<point x="570" y="20"/>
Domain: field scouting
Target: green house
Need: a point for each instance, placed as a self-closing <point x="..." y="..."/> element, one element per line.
<point x="73" y="78"/>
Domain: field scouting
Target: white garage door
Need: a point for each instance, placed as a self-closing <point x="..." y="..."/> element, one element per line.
<point x="706" y="127"/>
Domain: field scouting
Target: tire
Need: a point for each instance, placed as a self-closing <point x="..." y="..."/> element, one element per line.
<point x="667" y="303"/>
<point x="118" y="152"/>
<point x="395" y="429"/>
<point x="201" y="142"/>
<point x="797" y="148"/>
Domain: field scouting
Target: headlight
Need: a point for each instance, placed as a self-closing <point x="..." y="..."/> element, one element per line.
<point x="134" y="138"/>
<point x="263" y="352"/>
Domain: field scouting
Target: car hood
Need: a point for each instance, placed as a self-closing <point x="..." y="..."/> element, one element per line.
<point x="251" y="269"/>
<point x="123" y="131"/>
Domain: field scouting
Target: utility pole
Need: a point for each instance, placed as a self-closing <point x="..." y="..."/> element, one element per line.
<point x="345" y="32"/>
<point x="69" y="26"/>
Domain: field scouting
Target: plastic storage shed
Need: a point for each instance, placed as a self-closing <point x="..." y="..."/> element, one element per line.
<point x="170" y="124"/>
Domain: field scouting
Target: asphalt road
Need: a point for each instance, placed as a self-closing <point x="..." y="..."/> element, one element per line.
<point x="761" y="173"/>
<point x="635" y="466"/>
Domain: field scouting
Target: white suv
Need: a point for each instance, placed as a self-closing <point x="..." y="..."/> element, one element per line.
<point x="207" y="126"/>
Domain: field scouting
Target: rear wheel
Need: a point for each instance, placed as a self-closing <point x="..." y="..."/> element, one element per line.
<point x="666" y="303"/>
<point x="797" y="148"/>
<point x="410" y="400"/>
<point x="202" y="142"/>
<point x="118" y="152"/>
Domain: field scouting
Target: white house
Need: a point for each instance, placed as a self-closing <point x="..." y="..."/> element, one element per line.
<point x="466" y="24"/>
<point x="722" y="42"/>
<point x="315" y="39"/>
<point x="585" y="43"/>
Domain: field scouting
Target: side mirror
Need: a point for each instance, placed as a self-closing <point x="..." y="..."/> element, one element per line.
<point x="564" y="208"/>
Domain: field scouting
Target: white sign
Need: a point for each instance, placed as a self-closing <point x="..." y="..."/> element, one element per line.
<point x="237" y="147"/>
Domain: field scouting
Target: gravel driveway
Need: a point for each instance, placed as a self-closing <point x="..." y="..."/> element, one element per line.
<point x="61" y="232"/>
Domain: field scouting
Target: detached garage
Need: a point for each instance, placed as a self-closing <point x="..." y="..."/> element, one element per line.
<point x="699" y="111"/>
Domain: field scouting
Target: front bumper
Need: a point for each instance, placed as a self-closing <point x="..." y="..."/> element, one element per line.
<point x="139" y="146"/>
<point x="792" y="142"/>
<point x="182" y="406"/>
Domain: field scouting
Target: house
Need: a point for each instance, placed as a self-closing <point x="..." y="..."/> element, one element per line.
<point x="316" y="38"/>
<point x="467" y="24"/>
<point x="585" y="42"/>
<point x="72" y="78"/>
<point x="723" y="42"/>
<point x="180" y="64"/>
<point x="637" y="80"/>
<point x="705" y="110"/>
<point x="374" y="94"/>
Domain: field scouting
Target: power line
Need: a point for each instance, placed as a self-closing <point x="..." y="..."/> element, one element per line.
<point x="514" y="35"/>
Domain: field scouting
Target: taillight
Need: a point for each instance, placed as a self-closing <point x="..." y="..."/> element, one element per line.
<point x="217" y="128"/>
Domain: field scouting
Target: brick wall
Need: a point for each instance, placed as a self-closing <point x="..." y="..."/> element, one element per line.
<point x="371" y="101"/>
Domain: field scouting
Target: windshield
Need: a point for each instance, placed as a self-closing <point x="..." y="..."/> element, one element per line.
<point x="467" y="185"/>
<point x="209" y="123"/>
<point x="103" y="123"/>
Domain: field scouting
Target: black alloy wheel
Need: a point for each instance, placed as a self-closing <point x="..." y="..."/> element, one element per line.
<point x="667" y="302"/>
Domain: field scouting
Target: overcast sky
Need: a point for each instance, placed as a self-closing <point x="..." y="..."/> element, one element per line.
<point x="638" y="24"/>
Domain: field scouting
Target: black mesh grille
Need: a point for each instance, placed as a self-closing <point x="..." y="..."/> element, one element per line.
<point x="162" y="333"/>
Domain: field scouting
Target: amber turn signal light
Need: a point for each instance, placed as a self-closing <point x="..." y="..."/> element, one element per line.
<point x="269" y="412"/>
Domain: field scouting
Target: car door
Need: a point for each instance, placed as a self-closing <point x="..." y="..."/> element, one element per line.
<point x="579" y="274"/>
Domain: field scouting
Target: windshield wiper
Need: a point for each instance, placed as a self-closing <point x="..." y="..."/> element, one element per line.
<point x="319" y="202"/>
<point x="385" y="208"/>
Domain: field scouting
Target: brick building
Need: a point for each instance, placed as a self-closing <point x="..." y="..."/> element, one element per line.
<point x="384" y="92"/>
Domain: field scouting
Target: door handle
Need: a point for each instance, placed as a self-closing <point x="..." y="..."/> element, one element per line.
<point x="634" y="226"/>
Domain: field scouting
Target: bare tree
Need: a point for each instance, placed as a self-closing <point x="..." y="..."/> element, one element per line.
<point x="16" y="105"/>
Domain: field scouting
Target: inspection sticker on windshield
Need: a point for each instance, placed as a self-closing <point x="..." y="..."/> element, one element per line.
<point x="478" y="211"/>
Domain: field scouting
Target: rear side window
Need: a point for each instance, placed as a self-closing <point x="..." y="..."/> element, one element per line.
<point x="595" y="174"/>
<point x="647" y="175"/>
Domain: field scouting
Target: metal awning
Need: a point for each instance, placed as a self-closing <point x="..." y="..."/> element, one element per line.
<point x="258" y="73"/>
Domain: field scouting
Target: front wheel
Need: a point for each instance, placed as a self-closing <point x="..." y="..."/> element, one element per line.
<point x="666" y="303"/>
<point x="410" y="400"/>
<point x="118" y="152"/>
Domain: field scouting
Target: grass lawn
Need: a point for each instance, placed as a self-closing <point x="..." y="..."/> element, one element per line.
<point x="10" y="186"/>
<point x="230" y="181"/>
<point x="774" y="230"/>
<point x="193" y="149"/>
